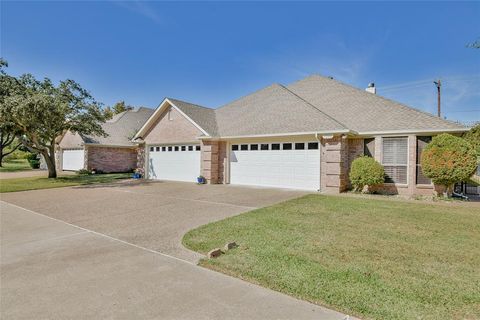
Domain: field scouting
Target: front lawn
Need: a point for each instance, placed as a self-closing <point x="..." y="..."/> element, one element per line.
<point x="371" y="258"/>
<point x="33" y="183"/>
<point x="11" y="165"/>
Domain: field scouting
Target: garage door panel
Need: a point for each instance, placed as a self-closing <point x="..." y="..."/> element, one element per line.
<point x="174" y="165"/>
<point x="72" y="159"/>
<point x="276" y="168"/>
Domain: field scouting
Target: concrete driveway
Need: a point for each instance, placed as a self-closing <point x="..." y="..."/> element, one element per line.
<point x="114" y="252"/>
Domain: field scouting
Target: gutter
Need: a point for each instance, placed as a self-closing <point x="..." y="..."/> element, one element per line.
<point x="329" y="132"/>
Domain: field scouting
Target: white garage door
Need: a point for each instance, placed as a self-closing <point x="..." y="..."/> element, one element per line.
<point x="286" y="165"/>
<point x="72" y="159"/>
<point x="178" y="162"/>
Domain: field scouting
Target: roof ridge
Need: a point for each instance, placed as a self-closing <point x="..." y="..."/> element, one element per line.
<point x="314" y="107"/>
<point x="400" y="104"/>
<point x="193" y="104"/>
<point x="248" y="94"/>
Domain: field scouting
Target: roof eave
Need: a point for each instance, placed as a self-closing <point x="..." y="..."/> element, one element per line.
<point x="412" y="131"/>
<point x="286" y="134"/>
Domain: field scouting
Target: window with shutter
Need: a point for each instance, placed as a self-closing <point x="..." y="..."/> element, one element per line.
<point x="395" y="159"/>
<point x="421" y="144"/>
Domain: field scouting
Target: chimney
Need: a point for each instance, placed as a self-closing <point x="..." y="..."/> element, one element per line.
<point x="371" y="88"/>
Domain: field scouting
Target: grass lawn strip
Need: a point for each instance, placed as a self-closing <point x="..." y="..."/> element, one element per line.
<point x="375" y="259"/>
<point x="34" y="183"/>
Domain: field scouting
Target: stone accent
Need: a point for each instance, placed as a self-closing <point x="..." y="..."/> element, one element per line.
<point x="109" y="159"/>
<point x="214" y="253"/>
<point x="210" y="166"/>
<point x="141" y="159"/>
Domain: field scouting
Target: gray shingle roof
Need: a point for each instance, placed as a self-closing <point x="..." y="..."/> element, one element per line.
<point x="121" y="128"/>
<point x="313" y="104"/>
<point x="362" y="111"/>
<point x="203" y="116"/>
<point x="272" y="110"/>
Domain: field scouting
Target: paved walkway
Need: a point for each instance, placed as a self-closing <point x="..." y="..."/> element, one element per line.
<point x="54" y="270"/>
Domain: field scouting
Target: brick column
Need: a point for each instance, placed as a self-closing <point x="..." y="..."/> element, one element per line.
<point x="210" y="166"/>
<point x="412" y="164"/>
<point x="334" y="162"/>
<point x="141" y="159"/>
<point x="85" y="158"/>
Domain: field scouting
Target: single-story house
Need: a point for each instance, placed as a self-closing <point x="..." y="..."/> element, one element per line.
<point x="114" y="153"/>
<point x="304" y="135"/>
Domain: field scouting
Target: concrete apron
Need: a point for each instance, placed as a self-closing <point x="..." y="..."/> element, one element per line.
<point x="52" y="269"/>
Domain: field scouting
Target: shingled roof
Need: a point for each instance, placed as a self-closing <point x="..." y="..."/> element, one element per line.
<point x="313" y="104"/>
<point x="121" y="128"/>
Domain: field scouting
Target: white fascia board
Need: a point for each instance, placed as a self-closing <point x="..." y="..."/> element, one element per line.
<point x="110" y="145"/>
<point x="330" y="132"/>
<point x="158" y="112"/>
<point x="412" y="131"/>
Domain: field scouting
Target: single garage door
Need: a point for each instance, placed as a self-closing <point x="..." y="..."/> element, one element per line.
<point x="174" y="162"/>
<point x="72" y="159"/>
<point x="286" y="165"/>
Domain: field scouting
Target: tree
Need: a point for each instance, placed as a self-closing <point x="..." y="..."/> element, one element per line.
<point x="365" y="171"/>
<point x="448" y="159"/>
<point x="40" y="112"/>
<point x="108" y="113"/>
<point x="120" y="107"/>
<point x="7" y="130"/>
<point x="473" y="136"/>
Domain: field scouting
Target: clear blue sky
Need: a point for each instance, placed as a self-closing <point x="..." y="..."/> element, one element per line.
<point x="210" y="53"/>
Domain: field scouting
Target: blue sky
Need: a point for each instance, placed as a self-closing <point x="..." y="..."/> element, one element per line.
<point x="211" y="53"/>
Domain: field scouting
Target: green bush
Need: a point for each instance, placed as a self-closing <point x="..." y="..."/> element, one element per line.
<point x="448" y="159"/>
<point x="365" y="171"/>
<point x="31" y="156"/>
<point x="84" y="172"/>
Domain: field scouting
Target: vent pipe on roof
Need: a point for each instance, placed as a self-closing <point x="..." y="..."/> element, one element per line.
<point x="371" y="88"/>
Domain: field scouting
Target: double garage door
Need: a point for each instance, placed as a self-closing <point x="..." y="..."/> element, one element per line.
<point x="286" y="165"/>
<point x="72" y="159"/>
<point x="174" y="162"/>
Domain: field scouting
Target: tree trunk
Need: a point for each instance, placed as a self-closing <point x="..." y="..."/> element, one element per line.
<point x="49" y="157"/>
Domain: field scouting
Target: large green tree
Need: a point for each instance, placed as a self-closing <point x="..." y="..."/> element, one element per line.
<point x="120" y="107"/>
<point x="41" y="111"/>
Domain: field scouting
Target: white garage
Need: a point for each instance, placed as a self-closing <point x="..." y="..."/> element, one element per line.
<point x="72" y="159"/>
<point x="286" y="165"/>
<point x="174" y="162"/>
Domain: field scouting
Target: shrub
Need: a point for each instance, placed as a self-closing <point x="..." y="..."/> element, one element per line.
<point x="83" y="172"/>
<point x="473" y="136"/>
<point x="365" y="171"/>
<point x="33" y="160"/>
<point x="448" y="159"/>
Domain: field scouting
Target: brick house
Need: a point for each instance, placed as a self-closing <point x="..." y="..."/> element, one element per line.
<point x="114" y="153"/>
<point x="304" y="135"/>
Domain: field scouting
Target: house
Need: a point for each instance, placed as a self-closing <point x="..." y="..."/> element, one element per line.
<point x="304" y="135"/>
<point x="114" y="153"/>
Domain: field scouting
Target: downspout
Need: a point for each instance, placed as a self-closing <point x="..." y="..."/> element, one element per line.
<point x="320" y="164"/>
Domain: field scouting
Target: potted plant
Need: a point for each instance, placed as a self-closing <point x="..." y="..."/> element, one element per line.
<point x="138" y="173"/>
<point x="201" y="180"/>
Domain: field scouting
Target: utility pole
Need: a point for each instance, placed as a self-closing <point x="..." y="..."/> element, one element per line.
<point x="438" y="84"/>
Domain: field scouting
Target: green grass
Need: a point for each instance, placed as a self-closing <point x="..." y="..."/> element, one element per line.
<point x="11" y="165"/>
<point x="375" y="259"/>
<point x="34" y="183"/>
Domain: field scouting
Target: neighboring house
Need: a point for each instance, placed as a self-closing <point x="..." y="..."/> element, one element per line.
<point x="304" y="135"/>
<point x="114" y="153"/>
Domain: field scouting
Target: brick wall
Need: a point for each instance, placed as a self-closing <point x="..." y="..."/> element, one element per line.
<point x="333" y="164"/>
<point x="109" y="159"/>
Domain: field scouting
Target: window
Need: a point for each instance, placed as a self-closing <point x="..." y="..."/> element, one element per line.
<point x="152" y="149"/>
<point x="299" y="146"/>
<point x="170" y="148"/>
<point x="190" y="148"/>
<point x="235" y="147"/>
<point x="287" y="146"/>
<point x="264" y="146"/>
<point x="197" y="148"/>
<point x="157" y="149"/>
<point x="244" y="147"/>
<point x="184" y="148"/>
<point x="421" y="144"/>
<point x="176" y="148"/>
<point x="164" y="148"/>
<point x="312" y="145"/>
<point x="395" y="159"/>
<point x="275" y="146"/>
<point x="369" y="147"/>
<point x="254" y="147"/>
<point x="170" y="115"/>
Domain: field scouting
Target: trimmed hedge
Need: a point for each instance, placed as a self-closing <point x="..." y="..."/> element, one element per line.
<point x="365" y="171"/>
<point x="448" y="159"/>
